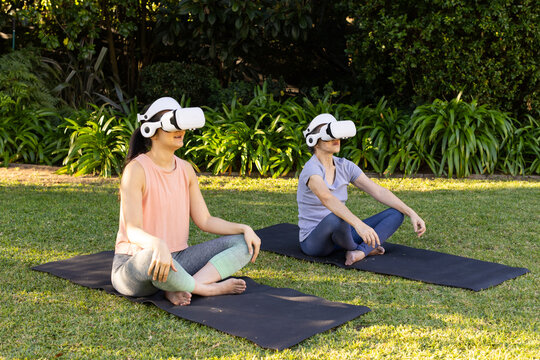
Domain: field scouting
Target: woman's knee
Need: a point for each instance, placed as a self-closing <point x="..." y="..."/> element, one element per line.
<point x="239" y="242"/>
<point x="237" y="239"/>
<point x="330" y="225"/>
<point x="232" y="259"/>
<point x="397" y="215"/>
<point x="132" y="278"/>
<point x="333" y="220"/>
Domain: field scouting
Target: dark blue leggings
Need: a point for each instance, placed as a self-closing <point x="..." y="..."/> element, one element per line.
<point x="334" y="233"/>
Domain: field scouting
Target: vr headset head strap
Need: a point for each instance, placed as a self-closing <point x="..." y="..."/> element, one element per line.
<point x="149" y="128"/>
<point x="173" y="117"/>
<point x="164" y="103"/>
<point x="330" y="129"/>
<point x="322" y="119"/>
<point x="317" y="121"/>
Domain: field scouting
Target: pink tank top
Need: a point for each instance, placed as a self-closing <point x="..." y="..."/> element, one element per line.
<point x="165" y="206"/>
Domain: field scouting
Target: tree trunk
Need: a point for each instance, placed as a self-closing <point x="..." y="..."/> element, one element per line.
<point x="110" y="40"/>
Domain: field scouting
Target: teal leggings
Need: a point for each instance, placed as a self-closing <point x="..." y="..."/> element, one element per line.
<point x="130" y="277"/>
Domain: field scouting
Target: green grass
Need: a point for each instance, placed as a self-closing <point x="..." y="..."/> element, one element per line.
<point x="47" y="317"/>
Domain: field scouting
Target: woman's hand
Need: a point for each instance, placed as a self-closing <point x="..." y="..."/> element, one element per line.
<point x="367" y="234"/>
<point x="161" y="263"/>
<point x="418" y="225"/>
<point x="253" y="242"/>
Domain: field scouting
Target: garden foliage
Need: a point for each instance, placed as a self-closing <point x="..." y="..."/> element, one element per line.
<point x="98" y="141"/>
<point x="176" y="79"/>
<point x="409" y="52"/>
<point x="264" y="136"/>
<point x="24" y="78"/>
<point x="463" y="138"/>
<point x="260" y="134"/>
<point x="28" y="119"/>
<point x="27" y="134"/>
<point x="421" y="50"/>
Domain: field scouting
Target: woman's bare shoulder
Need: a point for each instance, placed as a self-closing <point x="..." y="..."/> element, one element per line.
<point x="133" y="174"/>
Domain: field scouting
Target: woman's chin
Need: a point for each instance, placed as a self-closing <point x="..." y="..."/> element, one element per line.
<point x="177" y="145"/>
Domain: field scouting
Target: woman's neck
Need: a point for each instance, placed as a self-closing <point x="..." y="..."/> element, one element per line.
<point x="162" y="158"/>
<point x="326" y="159"/>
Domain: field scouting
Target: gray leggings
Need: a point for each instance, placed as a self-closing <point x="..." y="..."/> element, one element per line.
<point x="130" y="277"/>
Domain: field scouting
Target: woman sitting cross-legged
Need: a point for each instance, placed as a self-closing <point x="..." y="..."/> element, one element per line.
<point x="159" y="193"/>
<point x="326" y="224"/>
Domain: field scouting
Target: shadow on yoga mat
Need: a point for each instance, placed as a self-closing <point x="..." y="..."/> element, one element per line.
<point x="273" y="318"/>
<point x="399" y="260"/>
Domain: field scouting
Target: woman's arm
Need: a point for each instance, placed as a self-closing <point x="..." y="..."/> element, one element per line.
<point x="206" y="222"/>
<point x="131" y="190"/>
<point x="317" y="185"/>
<point x="386" y="197"/>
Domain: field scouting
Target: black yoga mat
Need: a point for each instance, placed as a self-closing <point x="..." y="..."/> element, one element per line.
<point x="399" y="260"/>
<point x="273" y="318"/>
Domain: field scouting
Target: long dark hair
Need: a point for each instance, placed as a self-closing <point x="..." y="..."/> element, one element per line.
<point x="138" y="144"/>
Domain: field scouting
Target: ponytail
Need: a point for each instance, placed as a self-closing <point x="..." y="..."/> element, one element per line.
<point x="138" y="144"/>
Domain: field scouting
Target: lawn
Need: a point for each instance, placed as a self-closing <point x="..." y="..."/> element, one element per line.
<point x="43" y="316"/>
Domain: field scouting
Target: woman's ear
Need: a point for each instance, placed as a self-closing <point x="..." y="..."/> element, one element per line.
<point x="156" y="134"/>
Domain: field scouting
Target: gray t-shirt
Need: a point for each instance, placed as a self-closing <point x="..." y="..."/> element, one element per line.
<point x="310" y="209"/>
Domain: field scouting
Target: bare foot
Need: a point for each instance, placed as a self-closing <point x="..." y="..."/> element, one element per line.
<point x="229" y="286"/>
<point x="181" y="298"/>
<point x="353" y="256"/>
<point x="232" y="286"/>
<point x="379" y="250"/>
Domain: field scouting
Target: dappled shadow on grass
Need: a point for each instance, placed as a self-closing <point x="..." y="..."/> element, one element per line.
<point x="419" y="317"/>
<point x="83" y="321"/>
<point x="458" y="222"/>
<point x="40" y="224"/>
<point x="489" y="225"/>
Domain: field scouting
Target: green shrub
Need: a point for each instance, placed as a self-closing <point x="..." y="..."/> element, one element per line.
<point x="458" y="137"/>
<point x="232" y="138"/>
<point x="99" y="141"/>
<point x="23" y="77"/>
<point x="419" y="51"/>
<point x="521" y="153"/>
<point x="241" y="147"/>
<point x="263" y="135"/>
<point x="451" y="138"/>
<point x="28" y="134"/>
<point x="242" y="91"/>
<point x="80" y="83"/>
<point x="378" y="135"/>
<point x="176" y="79"/>
<point x="28" y="117"/>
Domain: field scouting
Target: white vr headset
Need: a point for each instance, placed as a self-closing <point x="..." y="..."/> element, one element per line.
<point x="331" y="130"/>
<point x="177" y="118"/>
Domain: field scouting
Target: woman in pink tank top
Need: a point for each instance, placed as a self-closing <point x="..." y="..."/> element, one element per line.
<point x="159" y="194"/>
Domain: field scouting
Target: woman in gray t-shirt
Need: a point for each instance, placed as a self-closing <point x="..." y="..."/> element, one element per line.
<point x="326" y="224"/>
